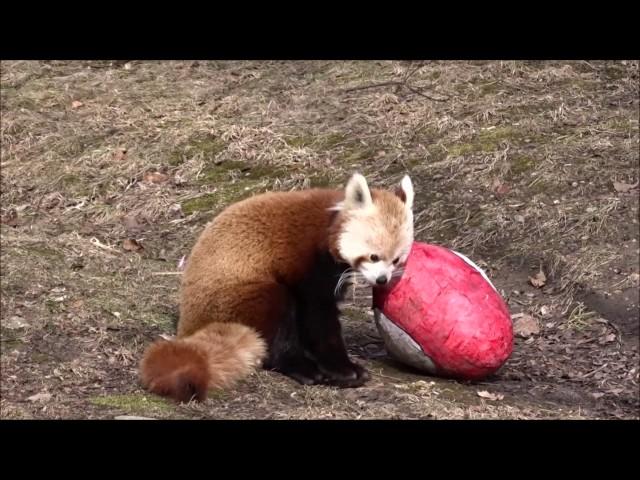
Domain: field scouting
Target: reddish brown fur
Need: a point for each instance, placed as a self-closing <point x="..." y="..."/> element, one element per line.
<point x="177" y="370"/>
<point x="237" y="277"/>
<point x="238" y="267"/>
<point x="214" y="357"/>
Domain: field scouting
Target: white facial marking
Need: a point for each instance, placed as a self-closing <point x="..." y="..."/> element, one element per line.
<point x="383" y="229"/>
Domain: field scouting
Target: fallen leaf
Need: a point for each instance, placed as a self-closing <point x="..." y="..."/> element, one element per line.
<point x="52" y="200"/>
<point x="490" y="396"/>
<point x="131" y="224"/>
<point x="132" y="245"/>
<point x="76" y="104"/>
<point x="539" y="280"/>
<point x="500" y="188"/>
<point x="10" y="218"/>
<point x="155" y="177"/>
<point x="525" y="325"/>
<point x="40" y="397"/>
<point x="120" y="155"/>
<point x="15" y="322"/>
<point x="625" y="187"/>
<point x="608" y="338"/>
<point x="597" y="395"/>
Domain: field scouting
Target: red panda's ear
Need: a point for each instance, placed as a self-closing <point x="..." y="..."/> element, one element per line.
<point x="357" y="194"/>
<point x="405" y="191"/>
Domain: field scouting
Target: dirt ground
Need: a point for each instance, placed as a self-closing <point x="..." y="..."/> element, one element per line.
<point x="111" y="169"/>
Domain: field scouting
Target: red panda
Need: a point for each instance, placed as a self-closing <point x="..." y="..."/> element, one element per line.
<point x="262" y="283"/>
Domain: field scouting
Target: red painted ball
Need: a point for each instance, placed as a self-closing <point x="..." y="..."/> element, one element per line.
<point x="444" y="316"/>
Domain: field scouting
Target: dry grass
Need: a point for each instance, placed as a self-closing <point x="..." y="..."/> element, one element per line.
<point x="513" y="162"/>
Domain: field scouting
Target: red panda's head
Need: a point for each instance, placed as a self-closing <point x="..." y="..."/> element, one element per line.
<point x="375" y="229"/>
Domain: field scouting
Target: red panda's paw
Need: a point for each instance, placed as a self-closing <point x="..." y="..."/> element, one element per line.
<point x="350" y="375"/>
<point x="300" y="369"/>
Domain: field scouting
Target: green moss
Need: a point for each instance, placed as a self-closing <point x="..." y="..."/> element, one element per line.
<point x="624" y="125"/>
<point x="357" y="154"/>
<point x="43" y="251"/>
<point x="322" y="180"/>
<point x="207" y="147"/>
<point x="223" y="173"/>
<point x="544" y="187"/>
<point x="461" y="149"/>
<point x="220" y="173"/>
<point x="203" y="203"/>
<point x="9" y="345"/>
<point x="134" y="403"/>
<point x="317" y="142"/>
<point x="40" y="357"/>
<point x="520" y="164"/>
<point x="11" y="338"/>
<point x="489" y="88"/>
<point x="163" y="320"/>
<point x="175" y="158"/>
<point x="299" y="141"/>
<point x="614" y="72"/>
<point x="54" y="307"/>
<point x="436" y="153"/>
<point x="330" y="140"/>
<point x="69" y="180"/>
<point x="488" y="141"/>
<point x="227" y="194"/>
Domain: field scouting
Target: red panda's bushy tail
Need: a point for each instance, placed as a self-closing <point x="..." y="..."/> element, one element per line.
<point x="214" y="357"/>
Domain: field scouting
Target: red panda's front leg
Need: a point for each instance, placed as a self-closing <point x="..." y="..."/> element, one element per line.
<point x="318" y="324"/>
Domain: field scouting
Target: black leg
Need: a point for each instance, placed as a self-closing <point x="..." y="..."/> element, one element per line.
<point x="322" y="337"/>
<point x="287" y="356"/>
<point x="318" y="325"/>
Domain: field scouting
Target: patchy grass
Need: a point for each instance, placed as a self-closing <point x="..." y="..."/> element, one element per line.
<point x="140" y="404"/>
<point x="513" y="163"/>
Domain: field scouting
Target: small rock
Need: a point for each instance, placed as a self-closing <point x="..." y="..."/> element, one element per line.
<point x="525" y="325"/>
<point x="15" y="322"/>
<point x="175" y="210"/>
<point x="40" y="397"/>
<point x="132" y="224"/>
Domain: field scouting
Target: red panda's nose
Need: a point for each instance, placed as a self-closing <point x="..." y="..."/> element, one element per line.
<point x="381" y="280"/>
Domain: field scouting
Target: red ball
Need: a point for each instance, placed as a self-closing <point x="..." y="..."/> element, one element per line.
<point x="444" y="316"/>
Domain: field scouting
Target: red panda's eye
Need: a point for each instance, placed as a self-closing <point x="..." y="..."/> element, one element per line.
<point x="374" y="258"/>
<point x="395" y="262"/>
